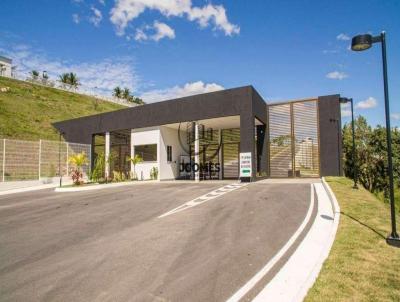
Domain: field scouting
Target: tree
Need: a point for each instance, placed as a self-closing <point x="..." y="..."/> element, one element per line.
<point x="136" y="100"/>
<point x="371" y="154"/>
<point x="70" y="79"/>
<point x="34" y="74"/>
<point x="117" y="92"/>
<point x="99" y="168"/>
<point x="126" y="94"/>
<point x="135" y="160"/>
<point x="78" y="160"/>
<point x="64" y="78"/>
<point x="73" y="80"/>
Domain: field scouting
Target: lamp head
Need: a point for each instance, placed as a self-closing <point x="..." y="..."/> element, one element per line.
<point x="344" y="100"/>
<point x="361" y="42"/>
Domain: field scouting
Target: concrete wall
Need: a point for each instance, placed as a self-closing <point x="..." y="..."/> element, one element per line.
<point x="145" y="136"/>
<point x="169" y="137"/>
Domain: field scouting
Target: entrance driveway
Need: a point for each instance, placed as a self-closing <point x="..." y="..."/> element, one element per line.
<point x="110" y="245"/>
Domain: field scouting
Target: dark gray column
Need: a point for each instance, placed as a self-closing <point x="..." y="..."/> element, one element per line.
<point x="262" y="153"/>
<point x="247" y="139"/>
<point x="330" y="135"/>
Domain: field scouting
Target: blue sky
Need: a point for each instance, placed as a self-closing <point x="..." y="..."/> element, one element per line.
<point x="162" y="49"/>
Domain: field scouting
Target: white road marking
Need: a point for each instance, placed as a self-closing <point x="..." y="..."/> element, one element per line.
<point x="257" y="277"/>
<point x="204" y="198"/>
<point x="299" y="273"/>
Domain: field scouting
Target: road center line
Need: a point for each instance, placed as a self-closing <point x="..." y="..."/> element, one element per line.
<point x="257" y="277"/>
<point x="204" y="198"/>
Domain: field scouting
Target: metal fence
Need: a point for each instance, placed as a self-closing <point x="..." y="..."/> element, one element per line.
<point x="294" y="139"/>
<point x="30" y="160"/>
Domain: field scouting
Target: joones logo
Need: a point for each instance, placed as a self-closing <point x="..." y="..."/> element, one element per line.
<point x="210" y="143"/>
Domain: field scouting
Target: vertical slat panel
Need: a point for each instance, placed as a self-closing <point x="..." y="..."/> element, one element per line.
<point x="230" y="140"/>
<point x="280" y="141"/>
<point x="305" y="123"/>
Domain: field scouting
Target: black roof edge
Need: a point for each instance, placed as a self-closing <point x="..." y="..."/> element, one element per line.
<point x="54" y="124"/>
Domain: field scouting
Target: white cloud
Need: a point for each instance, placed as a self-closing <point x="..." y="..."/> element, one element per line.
<point x="343" y="37"/>
<point x="345" y="110"/>
<point x="140" y="35"/>
<point x="395" y="116"/>
<point x="76" y="19"/>
<point x="179" y="91"/>
<point x="97" y="16"/>
<point x="346" y="113"/>
<point x="161" y="30"/>
<point x="101" y="76"/>
<point x="124" y="11"/>
<point x="102" y="2"/>
<point x="336" y="75"/>
<point x="367" y="104"/>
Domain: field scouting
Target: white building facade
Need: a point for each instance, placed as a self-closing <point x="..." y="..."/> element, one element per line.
<point x="6" y="68"/>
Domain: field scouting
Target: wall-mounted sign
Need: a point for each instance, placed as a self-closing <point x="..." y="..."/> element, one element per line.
<point x="245" y="164"/>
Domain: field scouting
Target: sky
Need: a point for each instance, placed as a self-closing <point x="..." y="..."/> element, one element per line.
<point x="172" y="48"/>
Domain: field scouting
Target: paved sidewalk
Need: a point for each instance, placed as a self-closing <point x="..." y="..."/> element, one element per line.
<point x="10" y="187"/>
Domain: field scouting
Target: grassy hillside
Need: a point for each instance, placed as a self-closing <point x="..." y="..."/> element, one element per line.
<point x="361" y="265"/>
<point x="27" y="110"/>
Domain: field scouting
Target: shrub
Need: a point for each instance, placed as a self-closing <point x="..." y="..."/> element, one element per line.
<point x="78" y="160"/>
<point x="154" y="173"/>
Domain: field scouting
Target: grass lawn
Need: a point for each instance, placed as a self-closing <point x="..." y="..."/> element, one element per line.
<point x="27" y="110"/>
<point x="396" y="197"/>
<point x="360" y="266"/>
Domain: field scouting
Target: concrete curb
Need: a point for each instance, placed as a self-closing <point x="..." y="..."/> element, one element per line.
<point x="335" y="203"/>
<point x="331" y="238"/>
<point x="299" y="273"/>
<point x="27" y="189"/>
<point x="103" y="186"/>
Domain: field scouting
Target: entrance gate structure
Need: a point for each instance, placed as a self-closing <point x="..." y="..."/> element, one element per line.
<point x="294" y="144"/>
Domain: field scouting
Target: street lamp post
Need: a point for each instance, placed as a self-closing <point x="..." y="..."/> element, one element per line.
<point x="355" y="172"/>
<point x="364" y="42"/>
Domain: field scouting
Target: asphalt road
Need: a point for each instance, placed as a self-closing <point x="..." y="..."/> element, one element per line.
<point x="109" y="245"/>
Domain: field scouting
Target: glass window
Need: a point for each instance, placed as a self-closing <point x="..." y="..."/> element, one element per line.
<point x="169" y="153"/>
<point x="147" y="152"/>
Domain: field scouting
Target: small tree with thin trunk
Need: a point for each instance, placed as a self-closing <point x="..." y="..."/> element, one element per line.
<point x="135" y="160"/>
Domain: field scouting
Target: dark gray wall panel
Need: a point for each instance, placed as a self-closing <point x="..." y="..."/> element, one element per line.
<point x="228" y="102"/>
<point x="330" y="135"/>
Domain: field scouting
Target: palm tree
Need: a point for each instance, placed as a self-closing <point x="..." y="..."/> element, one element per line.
<point x="126" y="94"/>
<point x="64" y="78"/>
<point x="70" y="79"/>
<point x="73" y="80"/>
<point x="117" y="92"/>
<point x="137" y="159"/>
<point x="34" y="74"/>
